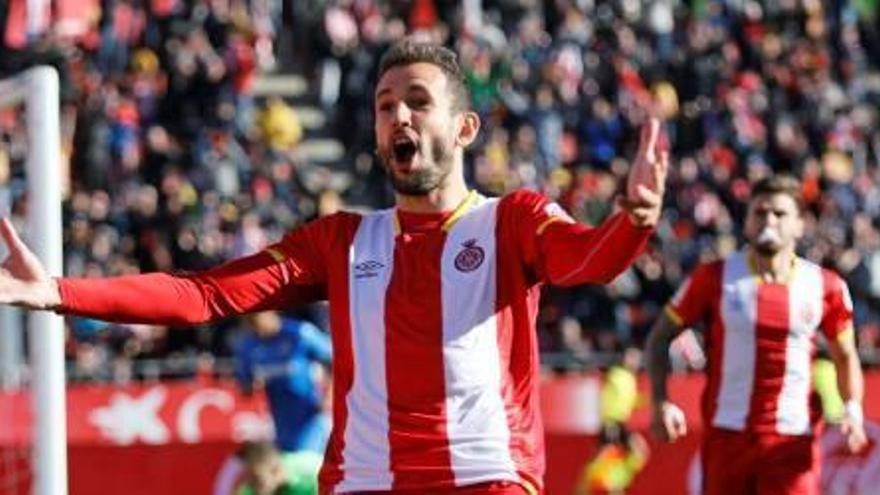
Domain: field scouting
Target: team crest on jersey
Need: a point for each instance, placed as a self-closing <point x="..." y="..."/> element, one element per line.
<point x="471" y="257"/>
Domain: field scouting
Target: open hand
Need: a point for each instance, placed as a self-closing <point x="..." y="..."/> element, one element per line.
<point x="23" y="280"/>
<point x="647" y="176"/>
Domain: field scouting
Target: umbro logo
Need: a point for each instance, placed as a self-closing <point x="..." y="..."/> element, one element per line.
<point x="367" y="269"/>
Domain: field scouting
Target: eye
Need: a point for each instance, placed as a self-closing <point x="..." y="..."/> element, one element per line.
<point x="418" y="103"/>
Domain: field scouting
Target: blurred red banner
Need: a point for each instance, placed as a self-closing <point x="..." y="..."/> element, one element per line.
<point x="178" y="437"/>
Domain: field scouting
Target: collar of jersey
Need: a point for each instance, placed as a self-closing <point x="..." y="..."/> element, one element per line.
<point x="465" y="206"/>
<point x="753" y="268"/>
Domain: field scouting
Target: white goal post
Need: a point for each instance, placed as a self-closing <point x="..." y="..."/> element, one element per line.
<point x="38" y="89"/>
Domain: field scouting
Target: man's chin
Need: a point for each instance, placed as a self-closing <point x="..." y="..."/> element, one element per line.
<point x="411" y="188"/>
<point x="415" y="183"/>
<point x="766" y="250"/>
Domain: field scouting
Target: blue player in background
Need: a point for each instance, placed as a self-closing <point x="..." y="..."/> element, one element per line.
<point x="288" y="359"/>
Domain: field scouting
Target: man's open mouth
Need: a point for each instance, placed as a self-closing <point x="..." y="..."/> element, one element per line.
<point x="403" y="150"/>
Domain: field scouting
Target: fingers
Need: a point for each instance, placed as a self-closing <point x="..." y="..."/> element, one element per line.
<point x="855" y="436"/>
<point x="646" y="197"/>
<point x="644" y="209"/>
<point x="669" y="424"/>
<point x="675" y="427"/>
<point x="10" y="236"/>
<point x="856" y="441"/>
<point x="649" y="136"/>
<point x="661" y="170"/>
<point x="663" y="139"/>
<point x="675" y="420"/>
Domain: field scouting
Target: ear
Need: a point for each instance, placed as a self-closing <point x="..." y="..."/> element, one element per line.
<point x="469" y="127"/>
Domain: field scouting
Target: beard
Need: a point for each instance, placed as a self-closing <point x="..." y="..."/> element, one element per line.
<point x="765" y="249"/>
<point x="767" y="242"/>
<point x="435" y="167"/>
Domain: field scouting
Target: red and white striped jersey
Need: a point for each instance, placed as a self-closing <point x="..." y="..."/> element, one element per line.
<point x="760" y="339"/>
<point x="435" y="352"/>
<point x="435" y="357"/>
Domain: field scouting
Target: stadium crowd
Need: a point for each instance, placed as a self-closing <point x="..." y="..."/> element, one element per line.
<point x="175" y="165"/>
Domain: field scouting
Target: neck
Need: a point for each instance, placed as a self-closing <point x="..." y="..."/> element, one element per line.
<point x="446" y="197"/>
<point x="773" y="268"/>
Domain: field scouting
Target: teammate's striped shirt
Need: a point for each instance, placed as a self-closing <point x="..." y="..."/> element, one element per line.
<point x="760" y="338"/>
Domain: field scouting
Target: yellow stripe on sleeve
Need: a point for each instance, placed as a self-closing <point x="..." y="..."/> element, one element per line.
<point x="673" y="315"/>
<point x="547" y="223"/>
<point x="847" y="336"/>
<point x="276" y="255"/>
<point x="531" y="489"/>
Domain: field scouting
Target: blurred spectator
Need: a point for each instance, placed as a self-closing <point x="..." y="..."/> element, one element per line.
<point x="270" y="472"/>
<point x="619" y="458"/>
<point x="279" y="125"/>
<point x="619" y="396"/>
<point x="176" y="164"/>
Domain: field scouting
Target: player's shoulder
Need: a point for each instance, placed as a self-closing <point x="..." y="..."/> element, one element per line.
<point x="527" y="203"/>
<point x="713" y="268"/>
<point x="832" y="281"/>
<point x="806" y="264"/>
<point x="326" y="227"/>
<point x="830" y="277"/>
<point x="339" y="219"/>
<point x="523" y="197"/>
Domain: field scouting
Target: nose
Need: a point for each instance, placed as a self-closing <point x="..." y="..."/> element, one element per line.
<point x="769" y="219"/>
<point x="402" y="115"/>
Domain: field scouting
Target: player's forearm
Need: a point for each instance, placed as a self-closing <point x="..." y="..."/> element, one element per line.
<point x="247" y="284"/>
<point x="850" y="379"/>
<point x="155" y="298"/>
<point x="596" y="255"/>
<point x="657" y="358"/>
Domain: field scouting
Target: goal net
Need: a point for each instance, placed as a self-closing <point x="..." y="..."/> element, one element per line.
<point x="32" y="394"/>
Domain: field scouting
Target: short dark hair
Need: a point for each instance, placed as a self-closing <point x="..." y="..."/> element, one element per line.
<point x="407" y="51"/>
<point x="779" y="184"/>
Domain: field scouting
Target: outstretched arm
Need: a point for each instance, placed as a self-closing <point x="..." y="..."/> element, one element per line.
<point x="244" y="285"/>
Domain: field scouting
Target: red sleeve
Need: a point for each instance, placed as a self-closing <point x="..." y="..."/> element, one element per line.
<point x="837" y="308"/>
<point x="692" y="302"/>
<point x="288" y="273"/>
<point x="564" y="252"/>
